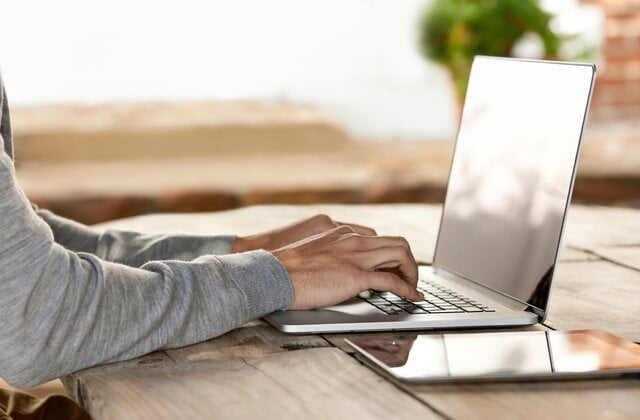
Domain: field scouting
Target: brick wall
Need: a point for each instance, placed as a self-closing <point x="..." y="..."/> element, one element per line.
<point x="617" y="93"/>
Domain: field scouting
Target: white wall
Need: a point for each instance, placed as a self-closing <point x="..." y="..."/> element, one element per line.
<point x="355" y="59"/>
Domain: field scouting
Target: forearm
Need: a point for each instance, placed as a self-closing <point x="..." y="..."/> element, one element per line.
<point x="133" y="248"/>
<point x="63" y="312"/>
<point x="70" y="234"/>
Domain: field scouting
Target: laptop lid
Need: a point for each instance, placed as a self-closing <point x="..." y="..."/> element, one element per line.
<point x="512" y="174"/>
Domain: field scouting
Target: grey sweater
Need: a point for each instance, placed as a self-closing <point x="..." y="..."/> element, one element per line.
<point x="71" y="297"/>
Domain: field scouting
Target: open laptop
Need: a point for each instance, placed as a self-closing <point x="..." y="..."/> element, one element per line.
<point x="505" y="209"/>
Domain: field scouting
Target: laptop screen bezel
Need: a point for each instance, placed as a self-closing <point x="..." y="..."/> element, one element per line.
<point x="540" y="311"/>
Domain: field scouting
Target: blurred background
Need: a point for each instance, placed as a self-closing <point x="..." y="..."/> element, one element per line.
<point x="130" y="107"/>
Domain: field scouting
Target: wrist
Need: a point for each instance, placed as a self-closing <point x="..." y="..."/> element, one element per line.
<point x="238" y="245"/>
<point x="246" y="243"/>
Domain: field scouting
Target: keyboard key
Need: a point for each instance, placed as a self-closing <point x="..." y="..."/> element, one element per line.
<point x="444" y="311"/>
<point x="375" y="299"/>
<point x="438" y="300"/>
<point x="395" y="299"/>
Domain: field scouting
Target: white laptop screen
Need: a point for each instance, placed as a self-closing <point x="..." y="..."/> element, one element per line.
<point x="512" y="174"/>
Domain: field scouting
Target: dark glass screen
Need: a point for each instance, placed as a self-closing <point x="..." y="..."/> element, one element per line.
<point x="425" y="357"/>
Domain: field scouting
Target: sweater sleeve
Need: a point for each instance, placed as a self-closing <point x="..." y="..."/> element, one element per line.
<point x="133" y="248"/>
<point x="65" y="310"/>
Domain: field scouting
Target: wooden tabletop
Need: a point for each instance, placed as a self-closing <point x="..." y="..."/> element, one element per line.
<point x="256" y="372"/>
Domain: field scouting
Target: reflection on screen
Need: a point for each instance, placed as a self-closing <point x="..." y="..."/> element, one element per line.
<point x="533" y="353"/>
<point x="511" y="174"/>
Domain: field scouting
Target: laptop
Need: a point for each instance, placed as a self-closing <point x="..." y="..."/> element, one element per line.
<point x="504" y="212"/>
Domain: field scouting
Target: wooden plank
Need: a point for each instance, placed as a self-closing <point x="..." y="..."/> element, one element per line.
<point x="603" y="399"/>
<point x="256" y="338"/>
<point x="313" y="383"/>
<point x="596" y="295"/>
<point x="569" y="254"/>
<point x="628" y="256"/>
<point x="74" y="385"/>
<point x="592" y="226"/>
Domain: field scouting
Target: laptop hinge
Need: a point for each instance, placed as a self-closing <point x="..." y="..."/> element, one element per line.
<point x="495" y="294"/>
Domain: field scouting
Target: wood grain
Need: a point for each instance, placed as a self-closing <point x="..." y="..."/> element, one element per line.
<point x="569" y="254"/>
<point x="592" y="226"/>
<point x="603" y="399"/>
<point x="314" y="383"/>
<point x="628" y="256"/>
<point x="596" y="295"/>
<point x="256" y="338"/>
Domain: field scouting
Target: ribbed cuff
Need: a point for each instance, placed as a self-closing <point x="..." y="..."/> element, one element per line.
<point x="263" y="279"/>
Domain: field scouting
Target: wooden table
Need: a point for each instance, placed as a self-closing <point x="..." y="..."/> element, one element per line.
<point x="257" y="372"/>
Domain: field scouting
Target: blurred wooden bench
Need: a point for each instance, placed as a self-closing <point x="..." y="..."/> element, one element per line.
<point x="98" y="163"/>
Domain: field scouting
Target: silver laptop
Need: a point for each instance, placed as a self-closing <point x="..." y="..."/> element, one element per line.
<point x="506" y="204"/>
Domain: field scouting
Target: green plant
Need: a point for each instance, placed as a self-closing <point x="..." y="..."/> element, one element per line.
<point x="454" y="31"/>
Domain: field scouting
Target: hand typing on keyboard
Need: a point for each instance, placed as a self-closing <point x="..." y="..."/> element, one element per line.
<point x="336" y="265"/>
<point x="437" y="300"/>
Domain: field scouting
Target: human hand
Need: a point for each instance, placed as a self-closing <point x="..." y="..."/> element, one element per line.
<point x="277" y="238"/>
<point x="336" y="265"/>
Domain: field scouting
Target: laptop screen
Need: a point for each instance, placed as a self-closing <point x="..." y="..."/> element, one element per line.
<point x="512" y="174"/>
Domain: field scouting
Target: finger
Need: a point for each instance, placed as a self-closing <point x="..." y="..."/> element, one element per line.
<point x="359" y="229"/>
<point x="394" y="257"/>
<point x="363" y="243"/>
<point x="376" y="252"/>
<point x="404" y="243"/>
<point x="388" y="282"/>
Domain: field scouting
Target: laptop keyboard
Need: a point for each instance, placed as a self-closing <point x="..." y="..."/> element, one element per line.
<point x="437" y="300"/>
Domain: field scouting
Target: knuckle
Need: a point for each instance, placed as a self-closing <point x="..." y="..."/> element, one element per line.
<point x="322" y="219"/>
<point x="346" y="230"/>
<point x="407" y="252"/>
<point x="401" y="251"/>
<point x="402" y="241"/>
<point x="353" y="237"/>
